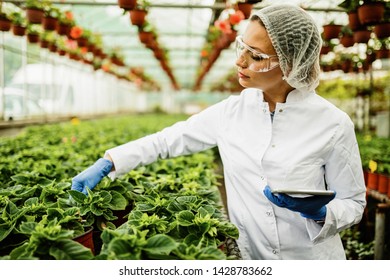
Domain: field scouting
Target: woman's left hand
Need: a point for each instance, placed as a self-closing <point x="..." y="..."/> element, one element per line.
<point x="312" y="207"/>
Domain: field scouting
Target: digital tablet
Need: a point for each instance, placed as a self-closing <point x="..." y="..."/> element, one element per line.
<point x="304" y="192"/>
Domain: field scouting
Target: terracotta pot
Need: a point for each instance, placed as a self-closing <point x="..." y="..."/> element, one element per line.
<point x="49" y="23"/>
<point x="325" y="49"/>
<point x="145" y="37"/>
<point x="5" y="24"/>
<point x="372" y="181"/>
<point x="331" y="31"/>
<point x="382" y="53"/>
<point x="382" y="30"/>
<point x="52" y="48"/>
<point x="44" y="44"/>
<point x="245" y="8"/>
<point x="34" y="15"/>
<point x="18" y="30"/>
<point x="347" y="41"/>
<point x="353" y="20"/>
<point x="137" y="17"/>
<point x="33" y="38"/>
<point x="371" y="13"/>
<point x="127" y="4"/>
<point x="61" y="52"/>
<point x="63" y="29"/>
<point x="362" y="36"/>
<point x="382" y="183"/>
<point x="86" y="239"/>
<point x="388" y="187"/>
<point x="82" y="42"/>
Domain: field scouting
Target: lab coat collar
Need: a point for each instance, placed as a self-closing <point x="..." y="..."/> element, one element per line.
<point x="295" y="95"/>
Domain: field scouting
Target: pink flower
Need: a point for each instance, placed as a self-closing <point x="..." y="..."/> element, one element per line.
<point x="236" y="18"/>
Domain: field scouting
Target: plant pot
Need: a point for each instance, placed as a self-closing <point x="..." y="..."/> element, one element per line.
<point x="82" y="42"/>
<point x="245" y="8"/>
<point x="49" y="23"/>
<point x="127" y="4"/>
<point x="52" y="48"/>
<point x="86" y="239"/>
<point x="137" y="17"/>
<point x="33" y="38"/>
<point x="61" y="52"/>
<point x="372" y="181"/>
<point x="145" y="37"/>
<point x="331" y="31"/>
<point x="382" y="30"/>
<point x="18" y="30"/>
<point x="362" y="36"/>
<point x="347" y="41"/>
<point x="5" y="24"/>
<point x="371" y="13"/>
<point x="382" y="183"/>
<point x="63" y="29"/>
<point x="122" y="215"/>
<point x="34" y="15"/>
<point x="44" y="44"/>
<point x="353" y="20"/>
<point x="382" y="54"/>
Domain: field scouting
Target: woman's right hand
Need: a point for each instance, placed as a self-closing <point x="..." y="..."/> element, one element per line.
<point x="91" y="176"/>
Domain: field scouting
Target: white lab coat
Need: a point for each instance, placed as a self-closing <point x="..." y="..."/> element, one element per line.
<point x="309" y="142"/>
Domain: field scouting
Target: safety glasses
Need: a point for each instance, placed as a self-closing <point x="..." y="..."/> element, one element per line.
<point x="256" y="61"/>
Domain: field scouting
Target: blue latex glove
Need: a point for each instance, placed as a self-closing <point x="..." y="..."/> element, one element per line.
<point x="312" y="207"/>
<point x="91" y="176"/>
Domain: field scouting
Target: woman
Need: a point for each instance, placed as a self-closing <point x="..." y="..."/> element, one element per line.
<point x="278" y="133"/>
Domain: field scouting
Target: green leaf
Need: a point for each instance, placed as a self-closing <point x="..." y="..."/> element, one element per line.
<point x="160" y="244"/>
<point x="118" y="201"/>
<point x="96" y="210"/>
<point x="185" y="218"/>
<point x="121" y="249"/>
<point x="5" y="230"/>
<point x="79" y="197"/>
<point x="21" y="179"/>
<point x="68" y="249"/>
<point x="28" y="227"/>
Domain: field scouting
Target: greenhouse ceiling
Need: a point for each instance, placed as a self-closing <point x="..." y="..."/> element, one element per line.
<point x="182" y="27"/>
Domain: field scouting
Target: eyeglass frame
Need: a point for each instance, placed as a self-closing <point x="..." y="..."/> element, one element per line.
<point x="240" y="42"/>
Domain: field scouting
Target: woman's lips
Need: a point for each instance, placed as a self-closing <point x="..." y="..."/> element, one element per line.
<point x="242" y="76"/>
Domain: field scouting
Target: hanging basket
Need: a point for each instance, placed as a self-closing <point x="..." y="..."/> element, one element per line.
<point x="371" y="13"/>
<point x="33" y="38"/>
<point x="5" y="24"/>
<point x="63" y="29"/>
<point x="331" y="31"/>
<point x="353" y="21"/>
<point x="145" y="37"/>
<point x="18" y="30"/>
<point x="127" y="4"/>
<point x="82" y="42"/>
<point x="137" y="17"/>
<point x="34" y="15"/>
<point x="245" y="8"/>
<point x="44" y="44"/>
<point x="382" y="30"/>
<point x="362" y="36"/>
<point x="347" y="41"/>
<point x="49" y="23"/>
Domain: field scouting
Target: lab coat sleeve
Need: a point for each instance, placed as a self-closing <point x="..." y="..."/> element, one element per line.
<point x="197" y="133"/>
<point x="344" y="174"/>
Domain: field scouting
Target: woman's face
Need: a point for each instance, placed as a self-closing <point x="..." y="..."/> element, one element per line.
<point x="257" y="38"/>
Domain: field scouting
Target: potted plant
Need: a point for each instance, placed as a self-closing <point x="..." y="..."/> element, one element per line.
<point x="362" y="35"/>
<point x="371" y="12"/>
<point x="382" y="29"/>
<point x="19" y="23"/>
<point x="33" y="32"/>
<point x="350" y="7"/>
<point x="346" y="38"/>
<point x="50" y="18"/>
<point x="65" y="23"/>
<point x="331" y="30"/>
<point x="244" y="6"/>
<point x="35" y="10"/>
<point x="5" y="19"/>
<point x="116" y="56"/>
<point x="127" y="4"/>
<point x="138" y="14"/>
<point x="382" y="47"/>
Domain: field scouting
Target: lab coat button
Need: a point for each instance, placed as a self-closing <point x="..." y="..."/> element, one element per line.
<point x="281" y="110"/>
<point x="274" y="251"/>
<point x="273" y="146"/>
<point x="268" y="213"/>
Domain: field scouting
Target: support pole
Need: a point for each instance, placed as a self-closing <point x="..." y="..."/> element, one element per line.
<point x="380" y="227"/>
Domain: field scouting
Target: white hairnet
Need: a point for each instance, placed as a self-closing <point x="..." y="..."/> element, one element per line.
<point x="297" y="42"/>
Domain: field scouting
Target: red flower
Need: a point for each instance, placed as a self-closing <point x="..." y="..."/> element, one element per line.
<point x="224" y="26"/>
<point x="204" y="53"/>
<point x="236" y="17"/>
<point x="76" y="32"/>
<point x="69" y="15"/>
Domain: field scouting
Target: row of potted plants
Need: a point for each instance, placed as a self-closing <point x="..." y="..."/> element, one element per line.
<point x="78" y="43"/>
<point x="376" y="162"/>
<point x="170" y="209"/>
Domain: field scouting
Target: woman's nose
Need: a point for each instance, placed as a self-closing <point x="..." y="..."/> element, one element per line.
<point x="240" y="62"/>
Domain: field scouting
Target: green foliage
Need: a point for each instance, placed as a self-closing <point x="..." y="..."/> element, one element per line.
<point x="354" y="248"/>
